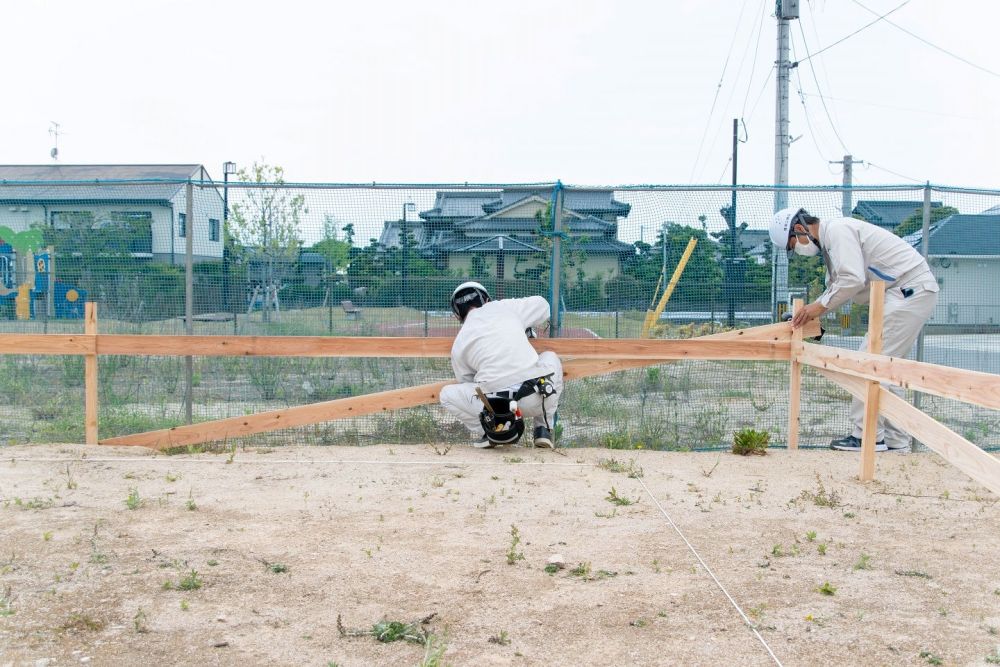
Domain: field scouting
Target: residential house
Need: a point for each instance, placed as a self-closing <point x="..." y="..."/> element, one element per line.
<point x="888" y="214"/>
<point x="503" y="226"/>
<point x="150" y="200"/>
<point x="964" y="254"/>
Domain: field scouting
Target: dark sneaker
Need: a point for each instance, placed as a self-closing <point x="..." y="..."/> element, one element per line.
<point x="852" y="444"/>
<point x="483" y="443"/>
<point x="543" y="437"/>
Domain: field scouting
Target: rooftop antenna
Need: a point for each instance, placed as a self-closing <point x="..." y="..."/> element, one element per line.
<point x="54" y="132"/>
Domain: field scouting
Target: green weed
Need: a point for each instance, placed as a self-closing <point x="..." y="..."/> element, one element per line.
<point x="133" y="501"/>
<point x="826" y="588"/>
<point x="513" y="555"/>
<point x="616" y="499"/>
<point x="864" y="563"/>
<point x="748" y="441"/>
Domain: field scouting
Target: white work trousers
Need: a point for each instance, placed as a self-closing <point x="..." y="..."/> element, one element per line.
<point x="902" y="320"/>
<point x="461" y="400"/>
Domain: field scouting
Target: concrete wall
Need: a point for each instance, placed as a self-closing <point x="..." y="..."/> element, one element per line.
<point x="207" y="205"/>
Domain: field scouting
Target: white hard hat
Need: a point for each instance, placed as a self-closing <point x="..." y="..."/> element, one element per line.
<point x="781" y="226"/>
<point x="465" y="293"/>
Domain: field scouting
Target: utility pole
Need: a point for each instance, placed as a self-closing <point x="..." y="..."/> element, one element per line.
<point x="785" y="11"/>
<point x="731" y="265"/>
<point x="848" y="163"/>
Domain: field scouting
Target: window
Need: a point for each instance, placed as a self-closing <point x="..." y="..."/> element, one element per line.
<point x="213" y="229"/>
<point x="72" y="219"/>
<point x="181" y="225"/>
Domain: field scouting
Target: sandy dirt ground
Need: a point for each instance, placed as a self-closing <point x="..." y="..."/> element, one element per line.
<point x="285" y="541"/>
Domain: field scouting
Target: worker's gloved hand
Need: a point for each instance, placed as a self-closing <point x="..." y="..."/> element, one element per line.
<point x="530" y="332"/>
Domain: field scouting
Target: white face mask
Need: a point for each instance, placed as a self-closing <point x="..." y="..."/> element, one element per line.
<point x="807" y="249"/>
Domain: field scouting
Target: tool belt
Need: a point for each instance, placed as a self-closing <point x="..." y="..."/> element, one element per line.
<point x="540" y="385"/>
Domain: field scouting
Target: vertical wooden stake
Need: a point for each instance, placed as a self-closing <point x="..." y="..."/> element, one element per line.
<point x="795" y="382"/>
<point x="90" y="376"/>
<point x="876" y="305"/>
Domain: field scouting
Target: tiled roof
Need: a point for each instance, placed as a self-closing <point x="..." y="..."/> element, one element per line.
<point x="147" y="192"/>
<point x="889" y="214"/>
<point x="962" y="234"/>
<point x="493" y="245"/>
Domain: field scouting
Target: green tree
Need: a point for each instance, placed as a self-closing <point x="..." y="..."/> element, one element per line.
<point x="916" y="221"/>
<point x="336" y="252"/>
<point x="702" y="278"/>
<point x="265" y="227"/>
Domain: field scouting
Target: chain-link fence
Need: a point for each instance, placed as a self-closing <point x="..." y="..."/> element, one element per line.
<point x="263" y="257"/>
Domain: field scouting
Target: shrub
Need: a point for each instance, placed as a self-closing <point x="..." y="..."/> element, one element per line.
<point x="747" y="441"/>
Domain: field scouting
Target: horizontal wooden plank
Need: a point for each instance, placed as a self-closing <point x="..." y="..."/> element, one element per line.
<point x="956" y="450"/>
<point x="956" y="383"/>
<point x="47" y="344"/>
<point x="368" y="346"/>
<point x="273" y="346"/>
<point x="274" y="420"/>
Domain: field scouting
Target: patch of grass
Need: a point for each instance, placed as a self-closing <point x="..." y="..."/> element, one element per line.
<point x="821" y="497"/>
<point x="826" y="588"/>
<point x="212" y="563"/>
<point x="139" y="622"/>
<point x="513" y="459"/>
<point x="613" y="465"/>
<point x="616" y="499"/>
<point x="170" y="477"/>
<point x="190" y="582"/>
<point x="748" y="442"/>
<point x="83" y="622"/>
<point x="864" y="562"/>
<point x="185" y="605"/>
<point x="47" y="536"/>
<point x="278" y="568"/>
<point x="993" y="658"/>
<point x="931" y="658"/>
<point x="582" y="570"/>
<point x="133" y="501"/>
<point x="501" y="638"/>
<point x="513" y="555"/>
<point x="434" y="649"/>
<point x="821" y="549"/>
<point x="6" y="604"/>
<point x="811" y="536"/>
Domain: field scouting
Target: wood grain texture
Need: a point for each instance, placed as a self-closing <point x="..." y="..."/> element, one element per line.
<point x="876" y="310"/>
<point x="795" y="381"/>
<point x="969" y="386"/>
<point x="59" y="344"/>
<point x="979" y="465"/>
<point x="90" y="376"/>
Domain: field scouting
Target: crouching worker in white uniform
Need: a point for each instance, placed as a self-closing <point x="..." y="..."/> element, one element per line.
<point x="492" y="353"/>
<point x="856" y="252"/>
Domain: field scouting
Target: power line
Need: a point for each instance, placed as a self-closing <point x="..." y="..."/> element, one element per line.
<point x="756" y="49"/>
<point x="846" y="37"/>
<point x="894" y="107"/>
<point x="718" y="89"/>
<point x="931" y="44"/>
<point x="894" y="173"/>
<point x="813" y="135"/>
<point x="826" y="109"/>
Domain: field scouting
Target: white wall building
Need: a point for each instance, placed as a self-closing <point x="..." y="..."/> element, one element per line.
<point x="61" y="196"/>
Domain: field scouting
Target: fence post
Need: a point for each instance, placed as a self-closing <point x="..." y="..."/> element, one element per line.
<point x="90" y="376"/>
<point x="795" y="382"/>
<point x="916" y="445"/>
<point x="557" y="206"/>
<point x="189" y="298"/>
<point x="875" y="307"/>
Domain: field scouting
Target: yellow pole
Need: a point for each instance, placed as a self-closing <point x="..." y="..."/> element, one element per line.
<point x="648" y="322"/>
<point x="692" y="242"/>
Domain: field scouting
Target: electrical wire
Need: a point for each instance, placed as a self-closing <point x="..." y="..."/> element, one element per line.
<point x="930" y="44"/>
<point x="826" y="109"/>
<point x="894" y="173"/>
<point x="813" y="135"/>
<point x="718" y="89"/>
<point x="846" y="37"/>
<point x="756" y="50"/>
<point x="896" y="108"/>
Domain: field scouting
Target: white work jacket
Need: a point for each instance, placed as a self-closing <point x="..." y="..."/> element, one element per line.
<point x="857" y="252"/>
<point x="492" y="349"/>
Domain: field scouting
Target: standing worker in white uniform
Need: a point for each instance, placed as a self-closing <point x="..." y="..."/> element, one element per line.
<point x="492" y="353"/>
<point x="856" y="252"/>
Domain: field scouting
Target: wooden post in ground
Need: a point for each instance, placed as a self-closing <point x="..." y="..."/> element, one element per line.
<point x="90" y="376"/>
<point x="876" y="306"/>
<point x="795" y="382"/>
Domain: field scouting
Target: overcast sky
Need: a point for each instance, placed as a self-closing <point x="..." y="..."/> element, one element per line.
<point x="588" y="92"/>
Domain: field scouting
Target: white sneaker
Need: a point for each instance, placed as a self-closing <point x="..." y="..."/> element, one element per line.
<point x="483" y="443"/>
